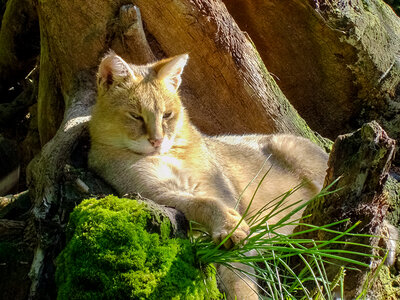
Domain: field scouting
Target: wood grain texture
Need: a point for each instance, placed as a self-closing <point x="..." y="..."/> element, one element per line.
<point x="360" y="163"/>
<point x="336" y="61"/>
<point x="226" y="86"/>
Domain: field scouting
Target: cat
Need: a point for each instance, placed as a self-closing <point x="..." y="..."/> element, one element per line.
<point x="142" y="141"/>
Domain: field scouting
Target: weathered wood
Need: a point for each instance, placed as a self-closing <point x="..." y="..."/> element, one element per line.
<point x="46" y="170"/>
<point x="224" y="70"/>
<point x="361" y="160"/>
<point x="19" y="43"/>
<point x="14" y="204"/>
<point x="336" y="61"/>
<point x="10" y="228"/>
<point x="131" y="42"/>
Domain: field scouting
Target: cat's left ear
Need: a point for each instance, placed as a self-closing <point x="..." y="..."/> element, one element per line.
<point x="170" y="70"/>
<point x="113" y="70"/>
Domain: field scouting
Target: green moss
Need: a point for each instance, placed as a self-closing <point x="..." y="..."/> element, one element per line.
<point x="110" y="254"/>
<point x="387" y="285"/>
<point x="392" y="188"/>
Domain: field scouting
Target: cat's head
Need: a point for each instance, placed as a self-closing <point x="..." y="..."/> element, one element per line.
<point x="138" y="107"/>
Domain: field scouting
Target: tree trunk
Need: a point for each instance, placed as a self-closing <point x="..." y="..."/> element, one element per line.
<point x="9" y="228"/>
<point x="202" y="28"/>
<point x="360" y="163"/>
<point x="70" y="51"/>
<point x="19" y="44"/>
<point x="336" y="61"/>
<point x="224" y="58"/>
<point x="227" y="88"/>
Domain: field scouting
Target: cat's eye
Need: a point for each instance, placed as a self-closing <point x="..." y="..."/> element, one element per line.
<point x="168" y="115"/>
<point x="134" y="116"/>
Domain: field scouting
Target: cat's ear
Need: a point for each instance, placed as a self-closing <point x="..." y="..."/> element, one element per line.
<point x="113" y="70"/>
<point x="170" y="70"/>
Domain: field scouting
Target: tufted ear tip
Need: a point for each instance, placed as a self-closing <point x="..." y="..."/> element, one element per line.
<point x="183" y="57"/>
<point x="113" y="69"/>
<point x="170" y="70"/>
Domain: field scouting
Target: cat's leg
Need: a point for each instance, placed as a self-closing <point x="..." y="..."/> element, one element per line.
<point x="172" y="187"/>
<point x="169" y="186"/>
<point x="240" y="286"/>
<point x="218" y="218"/>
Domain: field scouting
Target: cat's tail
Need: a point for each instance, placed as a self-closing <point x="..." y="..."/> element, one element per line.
<point x="297" y="154"/>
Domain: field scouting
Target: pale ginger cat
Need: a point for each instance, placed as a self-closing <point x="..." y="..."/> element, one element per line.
<point x="143" y="141"/>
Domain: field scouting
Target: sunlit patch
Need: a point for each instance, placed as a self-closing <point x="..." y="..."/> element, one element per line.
<point x="166" y="145"/>
<point x="251" y="141"/>
<point x="75" y="122"/>
<point x="140" y="145"/>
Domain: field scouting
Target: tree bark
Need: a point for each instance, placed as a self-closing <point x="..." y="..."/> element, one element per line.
<point x="224" y="58"/>
<point x="227" y="89"/>
<point x="336" y="61"/>
<point x="19" y="43"/>
<point x="360" y="161"/>
<point x="204" y="29"/>
<point x="10" y="228"/>
<point x="47" y="169"/>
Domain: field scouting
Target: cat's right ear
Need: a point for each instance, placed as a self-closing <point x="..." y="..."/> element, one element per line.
<point x="113" y="70"/>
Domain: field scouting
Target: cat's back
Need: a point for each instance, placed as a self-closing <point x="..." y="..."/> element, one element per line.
<point x="248" y="154"/>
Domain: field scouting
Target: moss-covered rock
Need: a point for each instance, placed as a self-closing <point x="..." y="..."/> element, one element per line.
<point x="112" y="252"/>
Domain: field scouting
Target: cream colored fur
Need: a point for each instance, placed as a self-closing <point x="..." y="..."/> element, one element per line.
<point x="201" y="176"/>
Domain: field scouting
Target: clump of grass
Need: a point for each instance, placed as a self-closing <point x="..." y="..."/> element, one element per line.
<point x="273" y="253"/>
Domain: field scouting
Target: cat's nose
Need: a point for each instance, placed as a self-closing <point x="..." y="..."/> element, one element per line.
<point x="156" y="142"/>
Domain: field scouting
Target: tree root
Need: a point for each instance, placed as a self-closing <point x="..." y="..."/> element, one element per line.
<point x="11" y="228"/>
<point x="46" y="170"/>
<point x="19" y="42"/>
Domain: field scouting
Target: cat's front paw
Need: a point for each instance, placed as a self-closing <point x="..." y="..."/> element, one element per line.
<point x="226" y="225"/>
